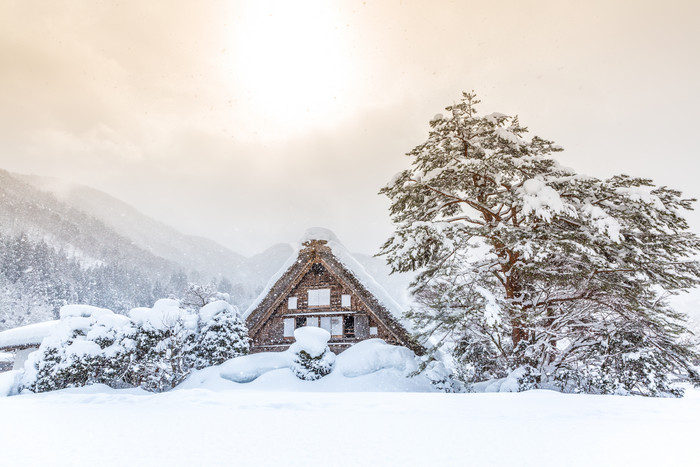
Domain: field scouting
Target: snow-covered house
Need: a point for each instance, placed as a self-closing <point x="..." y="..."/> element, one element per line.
<point x="24" y="340"/>
<point x="323" y="285"/>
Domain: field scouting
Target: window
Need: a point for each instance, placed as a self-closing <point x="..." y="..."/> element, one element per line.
<point x="361" y="326"/>
<point x="373" y="331"/>
<point x="349" y="326"/>
<point x="301" y="322"/>
<point x="337" y="326"/>
<point x="312" y="321"/>
<point x="292" y="303"/>
<point x="345" y="301"/>
<point x="320" y="297"/>
<point x="326" y="323"/>
<point x="289" y="327"/>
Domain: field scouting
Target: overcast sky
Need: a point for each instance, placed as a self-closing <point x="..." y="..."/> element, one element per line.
<point x="249" y="121"/>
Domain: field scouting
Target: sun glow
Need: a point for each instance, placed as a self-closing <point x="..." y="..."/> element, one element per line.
<point x="293" y="65"/>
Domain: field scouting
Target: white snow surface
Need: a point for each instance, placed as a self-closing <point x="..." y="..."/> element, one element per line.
<point x="372" y="355"/>
<point x="31" y="334"/>
<point x="250" y="367"/>
<point x="313" y="340"/>
<point x="540" y="199"/>
<point x="348" y="261"/>
<point x="388" y="365"/>
<point x="208" y="311"/>
<point x="286" y="422"/>
<point x="164" y="314"/>
<point x="82" y="311"/>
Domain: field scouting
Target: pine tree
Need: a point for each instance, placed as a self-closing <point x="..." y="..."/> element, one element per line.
<point x="222" y="336"/>
<point x="313" y="358"/>
<point x="161" y="355"/>
<point x="84" y="355"/>
<point x="525" y="264"/>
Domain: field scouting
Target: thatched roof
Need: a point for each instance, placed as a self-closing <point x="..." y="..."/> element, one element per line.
<point x="321" y="246"/>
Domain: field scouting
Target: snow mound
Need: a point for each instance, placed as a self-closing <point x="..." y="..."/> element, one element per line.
<point x="511" y="383"/>
<point x="8" y="382"/>
<point x="165" y="314"/>
<point x="208" y="311"/>
<point x="311" y="339"/>
<point x="82" y="311"/>
<point x="250" y="367"/>
<point x="372" y="355"/>
<point x="362" y="359"/>
<point x="318" y="233"/>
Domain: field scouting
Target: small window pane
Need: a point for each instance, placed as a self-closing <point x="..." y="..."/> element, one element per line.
<point x="373" y="331"/>
<point x="320" y="297"/>
<point x="292" y="303"/>
<point x="336" y="326"/>
<point x="324" y="297"/>
<point x="345" y="301"/>
<point x="312" y="321"/>
<point x="288" y="327"/>
<point x="313" y="297"/>
<point x="326" y="323"/>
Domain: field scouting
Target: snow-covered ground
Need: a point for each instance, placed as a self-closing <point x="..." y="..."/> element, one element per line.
<point x="231" y="425"/>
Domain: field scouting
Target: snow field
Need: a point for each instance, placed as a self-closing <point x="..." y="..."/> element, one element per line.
<point x="98" y="426"/>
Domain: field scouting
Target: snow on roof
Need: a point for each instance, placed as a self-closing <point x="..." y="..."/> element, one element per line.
<point x="347" y="260"/>
<point x="29" y="335"/>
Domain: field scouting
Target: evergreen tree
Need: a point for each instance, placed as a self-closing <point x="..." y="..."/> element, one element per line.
<point x="313" y="358"/>
<point x="525" y="264"/>
<point x="222" y="335"/>
<point x="83" y="351"/>
<point x="162" y="349"/>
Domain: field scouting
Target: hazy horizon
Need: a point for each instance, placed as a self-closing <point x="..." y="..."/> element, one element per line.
<point x="248" y="122"/>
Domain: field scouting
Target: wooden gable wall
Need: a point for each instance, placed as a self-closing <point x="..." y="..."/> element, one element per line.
<point x="359" y="321"/>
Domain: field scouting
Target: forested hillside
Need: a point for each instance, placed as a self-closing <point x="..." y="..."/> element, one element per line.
<point x="80" y="245"/>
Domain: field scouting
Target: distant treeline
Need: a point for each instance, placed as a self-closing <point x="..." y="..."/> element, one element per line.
<point x="36" y="280"/>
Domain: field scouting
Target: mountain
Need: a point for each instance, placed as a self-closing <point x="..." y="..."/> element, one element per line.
<point x="24" y="209"/>
<point x="195" y="255"/>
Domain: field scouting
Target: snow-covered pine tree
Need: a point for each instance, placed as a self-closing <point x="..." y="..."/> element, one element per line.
<point x="84" y="350"/>
<point x="161" y="339"/>
<point x="525" y="264"/>
<point x="222" y="335"/>
<point x="313" y="358"/>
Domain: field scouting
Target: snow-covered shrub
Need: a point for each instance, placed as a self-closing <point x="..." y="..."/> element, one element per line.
<point x="85" y="349"/>
<point x="441" y="378"/>
<point x="161" y="339"/>
<point x="222" y="335"/>
<point x="312" y="357"/>
<point x="621" y="364"/>
<point x="154" y="348"/>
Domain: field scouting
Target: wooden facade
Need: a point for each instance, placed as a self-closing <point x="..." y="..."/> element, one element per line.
<point x="318" y="290"/>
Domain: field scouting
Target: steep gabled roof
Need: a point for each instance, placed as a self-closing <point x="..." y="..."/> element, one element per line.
<point x="321" y="245"/>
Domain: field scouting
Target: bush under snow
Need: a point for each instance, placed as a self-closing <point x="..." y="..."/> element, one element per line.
<point x="312" y="357"/>
<point x="154" y="348"/>
<point x="381" y="364"/>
